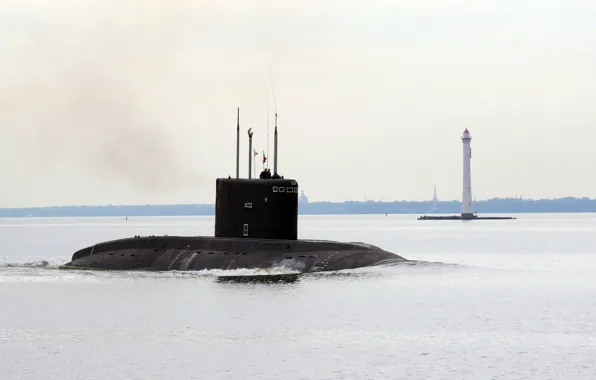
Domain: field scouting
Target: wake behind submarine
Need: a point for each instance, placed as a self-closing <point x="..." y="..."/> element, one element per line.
<point x="256" y="227"/>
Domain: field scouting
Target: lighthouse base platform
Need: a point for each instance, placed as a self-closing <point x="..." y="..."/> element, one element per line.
<point x="464" y="217"/>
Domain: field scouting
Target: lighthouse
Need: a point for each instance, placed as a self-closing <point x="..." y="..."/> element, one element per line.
<point x="466" y="202"/>
<point x="467" y="213"/>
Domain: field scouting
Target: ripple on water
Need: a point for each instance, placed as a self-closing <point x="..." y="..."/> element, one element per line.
<point x="47" y="271"/>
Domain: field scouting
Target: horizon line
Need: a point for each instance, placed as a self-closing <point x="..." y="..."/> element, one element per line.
<point x="309" y="202"/>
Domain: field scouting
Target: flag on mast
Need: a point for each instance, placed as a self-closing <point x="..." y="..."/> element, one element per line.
<point x="264" y="157"/>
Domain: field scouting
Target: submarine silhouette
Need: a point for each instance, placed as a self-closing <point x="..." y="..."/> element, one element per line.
<point x="256" y="227"/>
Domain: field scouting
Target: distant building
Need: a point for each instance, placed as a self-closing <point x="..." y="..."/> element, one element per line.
<point x="302" y="198"/>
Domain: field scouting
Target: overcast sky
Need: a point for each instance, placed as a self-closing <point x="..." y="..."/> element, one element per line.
<point x="134" y="101"/>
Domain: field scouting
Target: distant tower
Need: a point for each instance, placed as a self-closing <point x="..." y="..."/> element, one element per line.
<point x="435" y="199"/>
<point x="302" y="198"/>
<point x="466" y="205"/>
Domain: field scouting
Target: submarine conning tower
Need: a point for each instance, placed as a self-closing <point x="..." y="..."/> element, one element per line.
<point x="256" y="208"/>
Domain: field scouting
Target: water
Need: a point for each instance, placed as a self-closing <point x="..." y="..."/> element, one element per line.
<point x="489" y="300"/>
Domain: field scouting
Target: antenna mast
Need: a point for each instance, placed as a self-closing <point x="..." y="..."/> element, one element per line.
<point x="268" y="119"/>
<point x="275" y="146"/>
<point x="250" y="152"/>
<point x="238" y="145"/>
<point x="275" y="133"/>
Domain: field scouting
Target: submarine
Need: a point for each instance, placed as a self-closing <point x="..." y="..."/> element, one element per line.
<point x="256" y="227"/>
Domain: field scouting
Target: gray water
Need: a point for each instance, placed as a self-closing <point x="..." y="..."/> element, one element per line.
<point x="488" y="300"/>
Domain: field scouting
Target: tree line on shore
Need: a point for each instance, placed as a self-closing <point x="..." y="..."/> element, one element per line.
<point x="497" y="205"/>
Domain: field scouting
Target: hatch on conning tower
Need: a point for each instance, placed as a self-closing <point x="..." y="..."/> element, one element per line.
<point x="256" y="208"/>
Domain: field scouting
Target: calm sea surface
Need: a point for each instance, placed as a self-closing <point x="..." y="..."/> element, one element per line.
<point x="487" y="300"/>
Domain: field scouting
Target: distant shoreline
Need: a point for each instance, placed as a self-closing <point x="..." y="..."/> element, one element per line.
<point x="491" y="206"/>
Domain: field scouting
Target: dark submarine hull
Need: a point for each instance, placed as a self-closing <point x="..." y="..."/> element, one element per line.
<point x="177" y="253"/>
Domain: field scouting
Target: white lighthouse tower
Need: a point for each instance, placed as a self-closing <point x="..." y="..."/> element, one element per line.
<point x="466" y="205"/>
<point x="467" y="213"/>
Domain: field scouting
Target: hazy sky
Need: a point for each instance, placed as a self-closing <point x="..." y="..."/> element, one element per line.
<point x="134" y="101"/>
